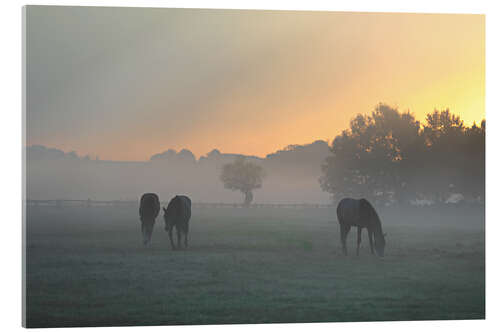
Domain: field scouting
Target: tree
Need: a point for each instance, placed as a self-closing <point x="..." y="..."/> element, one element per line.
<point x="388" y="155"/>
<point x="368" y="159"/>
<point x="474" y="177"/>
<point x="445" y="156"/>
<point x="242" y="176"/>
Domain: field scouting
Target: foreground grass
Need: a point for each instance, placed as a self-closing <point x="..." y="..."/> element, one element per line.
<point x="86" y="267"/>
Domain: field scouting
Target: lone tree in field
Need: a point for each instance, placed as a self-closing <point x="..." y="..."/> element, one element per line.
<point x="242" y="176"/>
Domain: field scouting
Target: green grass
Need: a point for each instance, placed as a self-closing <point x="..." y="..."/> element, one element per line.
<point x="87" y="267"/>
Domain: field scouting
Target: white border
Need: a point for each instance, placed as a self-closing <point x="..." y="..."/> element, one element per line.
<point x="10" y="131"/>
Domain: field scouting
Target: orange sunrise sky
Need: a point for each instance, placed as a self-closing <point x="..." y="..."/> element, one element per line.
<point x="124" y="84"/>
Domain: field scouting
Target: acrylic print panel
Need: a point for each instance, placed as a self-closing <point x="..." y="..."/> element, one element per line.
<point x="197" y="166"/>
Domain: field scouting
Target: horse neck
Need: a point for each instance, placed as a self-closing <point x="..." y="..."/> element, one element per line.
<point x="376" y="225"/>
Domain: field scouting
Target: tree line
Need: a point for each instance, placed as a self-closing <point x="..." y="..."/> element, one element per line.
<point x="390" y="157"/>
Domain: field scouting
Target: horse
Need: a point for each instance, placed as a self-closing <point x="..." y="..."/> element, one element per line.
<point x="361" y="214"/>
<point x="177" y="214"/>
<point x="148" y="211"/>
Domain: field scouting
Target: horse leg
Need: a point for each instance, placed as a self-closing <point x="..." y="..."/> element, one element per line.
<point x="143" y="231"/>
<point x="171" y="238"/>
<point x="147" y="231"/>
<point x="370" y="238"/>
<point x="343" y="235"/>
<point x="178" y="238"/>
<point x="186" y="230"/>
<point x="342" y="239"/>
<point x="359" y="240"/>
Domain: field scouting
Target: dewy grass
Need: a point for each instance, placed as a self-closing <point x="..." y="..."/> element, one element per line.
<point x="87" y="267"/>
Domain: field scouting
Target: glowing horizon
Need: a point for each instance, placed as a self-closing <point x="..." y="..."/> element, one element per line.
<point x="124" y="84"/>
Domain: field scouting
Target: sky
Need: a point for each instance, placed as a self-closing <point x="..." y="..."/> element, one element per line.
<point x="127" y="83"/>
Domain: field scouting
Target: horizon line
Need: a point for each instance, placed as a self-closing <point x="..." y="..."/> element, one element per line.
<point x="96" y="157"/>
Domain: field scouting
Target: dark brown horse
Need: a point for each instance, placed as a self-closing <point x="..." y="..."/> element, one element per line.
<point x="177" y="215"/>
<point x="361" y="214"/>
<point x="148" y="211"/>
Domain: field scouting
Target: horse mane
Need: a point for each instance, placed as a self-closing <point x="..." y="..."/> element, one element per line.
<point x="170" y="206"/>
<point x="372" y="214"/>
<point x="174" y="207"/>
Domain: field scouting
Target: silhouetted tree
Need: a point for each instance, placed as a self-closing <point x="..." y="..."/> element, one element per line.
<point x="171" y="155"/>
<point x="297" y="161"/>
<point x="242" y="176"/>
<point x="388" y="155"/>
<point x="368" y="159"/>
<point x="443" y="133"/>
<point x="474" y="169"/>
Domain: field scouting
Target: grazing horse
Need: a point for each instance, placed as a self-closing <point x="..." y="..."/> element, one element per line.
<point x="177" y="214"/>
<point x="361" y="214"/>
<point x="148" y="211"/>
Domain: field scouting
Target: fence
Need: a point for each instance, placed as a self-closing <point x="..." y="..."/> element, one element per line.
<point x="132" y="203"/>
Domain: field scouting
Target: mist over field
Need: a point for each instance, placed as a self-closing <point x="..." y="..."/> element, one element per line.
<point x="291" y="176"/>
<point x="88" y="267"/>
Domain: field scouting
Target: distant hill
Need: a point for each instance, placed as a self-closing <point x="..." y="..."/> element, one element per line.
<point x="292" y="155"/>
<point x="304" y="160"/>
<point x="42" y="152"/>
<point x="291" y="175"/>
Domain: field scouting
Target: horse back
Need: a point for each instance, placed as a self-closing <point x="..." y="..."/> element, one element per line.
<point x="180" y="208"/>
<point x="351" y="212"/>
<point x="149" y="205"/>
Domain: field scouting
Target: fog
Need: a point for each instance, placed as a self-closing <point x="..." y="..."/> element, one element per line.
<point x="291" y="176"/>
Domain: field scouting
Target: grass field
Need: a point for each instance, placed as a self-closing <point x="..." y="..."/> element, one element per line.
<point x="87" y="267"/>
